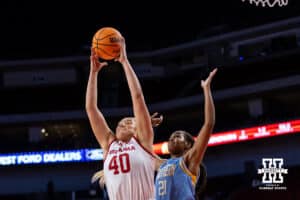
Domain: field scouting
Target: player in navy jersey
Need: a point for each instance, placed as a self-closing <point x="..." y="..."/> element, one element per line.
<point x="177" y="176"/>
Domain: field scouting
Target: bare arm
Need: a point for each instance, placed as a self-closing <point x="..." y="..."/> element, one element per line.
<point x="100" y="128"/>
<point x="140" y="110"/>
<point x="194" y="156"/>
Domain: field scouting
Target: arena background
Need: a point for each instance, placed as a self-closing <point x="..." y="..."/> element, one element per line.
<point x="44" y="66"/>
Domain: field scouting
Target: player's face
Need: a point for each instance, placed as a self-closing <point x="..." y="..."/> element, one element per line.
<point x="177" y="144"/>
<point x="126" y="129"/>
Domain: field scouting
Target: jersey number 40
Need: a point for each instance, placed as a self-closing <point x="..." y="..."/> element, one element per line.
<point x="120" y="163"/>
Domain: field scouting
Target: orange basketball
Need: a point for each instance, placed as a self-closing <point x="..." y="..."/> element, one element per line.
<point x="106" y="42"/>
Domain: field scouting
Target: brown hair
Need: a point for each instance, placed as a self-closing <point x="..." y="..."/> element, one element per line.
<point x="187" y="137"/>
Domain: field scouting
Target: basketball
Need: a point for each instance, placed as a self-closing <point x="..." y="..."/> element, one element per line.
<point x="106" y="42"/>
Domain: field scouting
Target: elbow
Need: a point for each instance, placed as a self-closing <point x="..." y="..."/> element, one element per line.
<point x="90" y="107"/>
<point x="210" y="124"/>
<point x="90" y="104"/>
<point x="138" y="95"/>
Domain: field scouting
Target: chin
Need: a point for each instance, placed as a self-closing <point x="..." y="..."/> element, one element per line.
<point x="174" y="151"/>
<point x="125" y="138"/>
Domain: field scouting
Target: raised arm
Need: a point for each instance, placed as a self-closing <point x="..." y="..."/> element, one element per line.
<point x="100" y="128"/>
<point x="194" y="156"/>
<point x="140" y="110"/>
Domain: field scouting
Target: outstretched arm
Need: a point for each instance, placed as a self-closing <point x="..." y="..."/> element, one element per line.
<point x="194" y="156"/>
<point x="140" y="110"/>
<point x="100" y="128"/>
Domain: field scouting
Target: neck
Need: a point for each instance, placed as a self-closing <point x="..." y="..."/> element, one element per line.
<point x="126" y="140"/>
<point x="176" y="155"/>
<point x="179" y="154"/>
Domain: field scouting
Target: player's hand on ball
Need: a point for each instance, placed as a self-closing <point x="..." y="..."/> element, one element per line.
<point x="95" y="64"/>
<point x="123" y="54"/>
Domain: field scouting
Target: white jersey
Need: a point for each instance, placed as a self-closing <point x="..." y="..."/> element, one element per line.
<point x="129" y="171"/>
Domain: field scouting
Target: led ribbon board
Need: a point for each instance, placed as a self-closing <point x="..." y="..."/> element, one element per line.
<point x="246" y="134"/>
<point x="87" y="155"/>
<point x="80" y="155"/>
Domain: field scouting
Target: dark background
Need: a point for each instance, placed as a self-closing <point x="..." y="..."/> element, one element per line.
<point x="33" y="29"/>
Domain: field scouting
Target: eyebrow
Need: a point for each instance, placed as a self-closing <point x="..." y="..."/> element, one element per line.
<point x="177" y="134"/>
<point x="126" y="121"/>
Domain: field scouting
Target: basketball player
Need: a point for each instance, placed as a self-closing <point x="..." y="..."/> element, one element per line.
<point x="99" y="176"/>
<point x="128" y="161"/>
<point x="155" y="121"/>
<point x="177" y="176"/>
<point x="200" y="185"/>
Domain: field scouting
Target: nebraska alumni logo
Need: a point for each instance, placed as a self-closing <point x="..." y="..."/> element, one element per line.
<point x="272" y="173"/>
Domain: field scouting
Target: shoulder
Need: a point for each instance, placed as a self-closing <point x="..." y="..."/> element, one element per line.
<point x="186" y="170"/>
<point x="137" y="142"/>
<point x="159" y="162"/>
<point x="111" y="143"/>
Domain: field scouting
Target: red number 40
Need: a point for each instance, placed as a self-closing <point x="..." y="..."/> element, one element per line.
<point x="121" y="161"/>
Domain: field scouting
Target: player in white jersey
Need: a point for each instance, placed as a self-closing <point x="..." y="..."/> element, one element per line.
<point x="129" y="164"/>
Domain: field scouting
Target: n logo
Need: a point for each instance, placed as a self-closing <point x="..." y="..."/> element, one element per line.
<point x="272" y="170"/>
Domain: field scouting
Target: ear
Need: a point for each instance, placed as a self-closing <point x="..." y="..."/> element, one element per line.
<point x="187" y="145"/>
